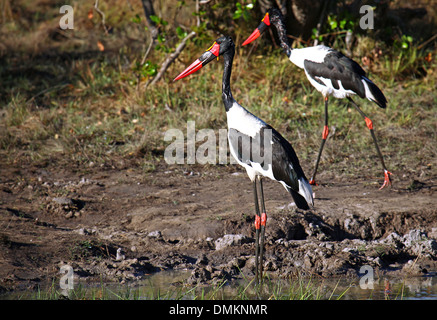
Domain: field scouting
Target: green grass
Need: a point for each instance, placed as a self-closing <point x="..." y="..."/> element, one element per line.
<point x="86" y="109"/>
<point x="100" y="115"/>
<point x="295" y="288"/>
<point x="272" y="289"/>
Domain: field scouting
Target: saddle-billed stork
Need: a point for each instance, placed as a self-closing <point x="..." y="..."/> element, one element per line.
<point x="256" y="146"/>
<point x="331" y="73"/>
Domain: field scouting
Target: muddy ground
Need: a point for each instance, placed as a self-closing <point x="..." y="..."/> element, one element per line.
<point x="201" y="218"/>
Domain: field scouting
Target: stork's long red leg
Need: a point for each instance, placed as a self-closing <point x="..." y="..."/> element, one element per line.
<point x="324" y="137"/>
<point x="263" y="227"/>
<point x="387" y="179"/>
<point x="257" y="229"/>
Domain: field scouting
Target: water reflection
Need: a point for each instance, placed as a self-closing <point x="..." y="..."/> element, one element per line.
<point x="172" y="285"/>
<point x="396" y="289"/>
<point x="385" y="288"/>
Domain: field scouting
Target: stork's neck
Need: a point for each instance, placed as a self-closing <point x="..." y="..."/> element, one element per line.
<point x="228" y="58"/>
<point x="282" y="35"/>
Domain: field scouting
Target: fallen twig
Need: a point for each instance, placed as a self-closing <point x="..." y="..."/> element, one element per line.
<point x="427" y="41"/>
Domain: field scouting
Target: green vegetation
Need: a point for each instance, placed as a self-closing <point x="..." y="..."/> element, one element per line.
<point x="64" y="100"/>
<point x="296" y="288"/>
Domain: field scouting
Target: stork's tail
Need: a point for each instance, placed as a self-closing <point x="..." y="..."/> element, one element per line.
<point x="304" y="197"/>
<point x="373" y="93"/>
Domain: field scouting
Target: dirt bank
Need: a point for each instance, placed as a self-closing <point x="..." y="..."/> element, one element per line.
<point x="174" y="218"/>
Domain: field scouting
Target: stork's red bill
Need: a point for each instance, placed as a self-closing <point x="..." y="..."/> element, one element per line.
<point x="209" y="55"/>
<point x="265" y="23"/>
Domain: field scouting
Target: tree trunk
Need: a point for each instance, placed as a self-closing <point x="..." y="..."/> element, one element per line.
<point x="301" y="16"/>
<point x="149" y="11"/>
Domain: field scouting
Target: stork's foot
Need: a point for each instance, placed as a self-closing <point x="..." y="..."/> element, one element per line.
<point x="387" y="179"/>
<point x="313" y="182"/>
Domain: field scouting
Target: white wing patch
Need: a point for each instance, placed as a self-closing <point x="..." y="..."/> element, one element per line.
<point x="242" y="120"/>
<point x="316" y="54"/>
<point x="368" y="93"/>
<point x="306" y="191"/>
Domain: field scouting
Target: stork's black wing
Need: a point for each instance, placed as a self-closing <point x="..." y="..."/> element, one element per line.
<point x="338" y="68"/>
<point x="267" y="148"/>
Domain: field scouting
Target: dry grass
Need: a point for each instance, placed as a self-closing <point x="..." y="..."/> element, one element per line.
<point x="65" y="100"/>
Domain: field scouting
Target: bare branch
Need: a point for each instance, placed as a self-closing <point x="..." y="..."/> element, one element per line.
<point x="171" y="58"/>
<point x="427" y="41"/>
<point x="322" y="18"/>
<point x="154" y="31"/>
<point x="197" y="11"/>
<point x="102" y="16"/>
<point x="147" y="52"/>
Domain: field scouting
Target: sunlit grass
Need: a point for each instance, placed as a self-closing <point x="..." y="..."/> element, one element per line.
<point x="87" y="107"/>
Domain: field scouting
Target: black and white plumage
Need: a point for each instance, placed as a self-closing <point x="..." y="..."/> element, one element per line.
<point x="331" y="73"/>
<point x="334" y="74"/>
<point x="249" y="146"/>
<point x="339" y="76"/>
<point x="282" y="167"/>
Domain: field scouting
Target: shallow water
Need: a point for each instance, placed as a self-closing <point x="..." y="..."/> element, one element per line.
<point x="395" y="289"/>
<point x="171" y="285"/>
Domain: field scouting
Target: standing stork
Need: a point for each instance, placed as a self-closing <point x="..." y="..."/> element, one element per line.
<point x="331" y="73"/>
<point x="256" y="146"/>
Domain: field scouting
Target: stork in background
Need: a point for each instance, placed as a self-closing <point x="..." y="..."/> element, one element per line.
<point x="332" y="74"/>
<point x="249" y="138"/>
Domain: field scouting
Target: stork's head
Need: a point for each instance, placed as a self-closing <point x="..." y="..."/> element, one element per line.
<point x="273" y="16"/>
<point x="219" y="47"/>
